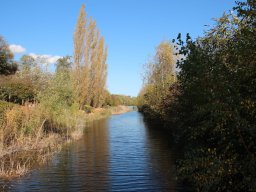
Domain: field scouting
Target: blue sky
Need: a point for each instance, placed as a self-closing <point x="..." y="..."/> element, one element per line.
<point x="132" y="29"/>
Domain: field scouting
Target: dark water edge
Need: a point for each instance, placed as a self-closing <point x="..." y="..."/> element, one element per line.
<point x="120" y="153"/>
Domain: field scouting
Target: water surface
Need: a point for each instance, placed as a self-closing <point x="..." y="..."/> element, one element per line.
<point x="119" y="153"/>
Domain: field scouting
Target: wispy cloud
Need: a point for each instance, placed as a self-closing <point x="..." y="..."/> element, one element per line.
<point x="16" y="48"/>
<point x="46" y="59"/>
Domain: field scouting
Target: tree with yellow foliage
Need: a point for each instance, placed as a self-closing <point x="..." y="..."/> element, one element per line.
<point x="90" y="68"/>
<point x="160" y="74"/>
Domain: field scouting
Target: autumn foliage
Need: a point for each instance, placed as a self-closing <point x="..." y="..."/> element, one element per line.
<point x="90" y="68"/>
<point x="211" y="108"/>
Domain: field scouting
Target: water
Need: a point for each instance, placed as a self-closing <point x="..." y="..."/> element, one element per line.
<point x="116" y="154"/>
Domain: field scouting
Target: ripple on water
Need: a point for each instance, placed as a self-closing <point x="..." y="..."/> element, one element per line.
<point x="116" y="154"/>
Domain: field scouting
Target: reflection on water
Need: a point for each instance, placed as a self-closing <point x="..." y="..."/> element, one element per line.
<point x="115" y="154"/>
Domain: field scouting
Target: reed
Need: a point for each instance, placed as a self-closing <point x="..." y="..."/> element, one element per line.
<point x="30" y="135"/>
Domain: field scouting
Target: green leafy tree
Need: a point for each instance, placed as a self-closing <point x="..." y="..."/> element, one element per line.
<point x="216" y="104"/>
<point x="16" y="92"/>
<point x="27" y="62"/>
<point x="7" y="65"/>
<point x="64" y="65"/>
<point x="211" y="108"/>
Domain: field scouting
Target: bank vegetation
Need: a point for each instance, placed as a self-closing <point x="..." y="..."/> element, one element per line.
<point x="40" y="109"/>
<point x="210" y="105"/>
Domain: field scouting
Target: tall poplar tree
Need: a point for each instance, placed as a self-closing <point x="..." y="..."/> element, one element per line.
<point x="78" y="39"/>
<point x="90" y="69"/>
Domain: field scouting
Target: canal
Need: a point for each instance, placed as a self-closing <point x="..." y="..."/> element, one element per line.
<point x="120" y="153"/>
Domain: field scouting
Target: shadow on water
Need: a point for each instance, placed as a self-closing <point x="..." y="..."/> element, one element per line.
<point x="120" y="153"/>
<point x="165" y="153"/>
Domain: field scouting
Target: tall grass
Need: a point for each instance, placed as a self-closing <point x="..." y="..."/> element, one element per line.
<point x="24" y="139"/>
<point x="31" y="134"/>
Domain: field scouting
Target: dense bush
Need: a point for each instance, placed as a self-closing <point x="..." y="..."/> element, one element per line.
<point x="16" y="92"/>
<point x="212" y="108"/>
<point x="216" y="112"/>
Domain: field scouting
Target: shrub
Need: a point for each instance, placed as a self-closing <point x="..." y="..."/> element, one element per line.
<point x="16" y="92"/>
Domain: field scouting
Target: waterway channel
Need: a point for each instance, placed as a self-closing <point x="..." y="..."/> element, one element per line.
<point x="119" y="153"/>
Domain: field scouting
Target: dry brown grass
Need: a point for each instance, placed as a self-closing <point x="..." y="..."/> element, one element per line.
<point x="18" y="159"/>
<point x="29" y="136"/>
<point x="23" y="141"/>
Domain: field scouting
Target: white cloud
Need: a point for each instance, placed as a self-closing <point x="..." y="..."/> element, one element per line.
<point x="46" y="59"/>
<point x="16" y="48"/>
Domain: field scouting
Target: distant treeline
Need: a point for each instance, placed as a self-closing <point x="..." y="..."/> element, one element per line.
<point x="209" y="103"/>
<point x="114" y="100"/>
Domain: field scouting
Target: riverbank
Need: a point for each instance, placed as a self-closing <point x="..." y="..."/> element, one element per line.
<point x="120" y="109"/>
<point x="101" y="156"/>
<point x="30" y="135"/>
